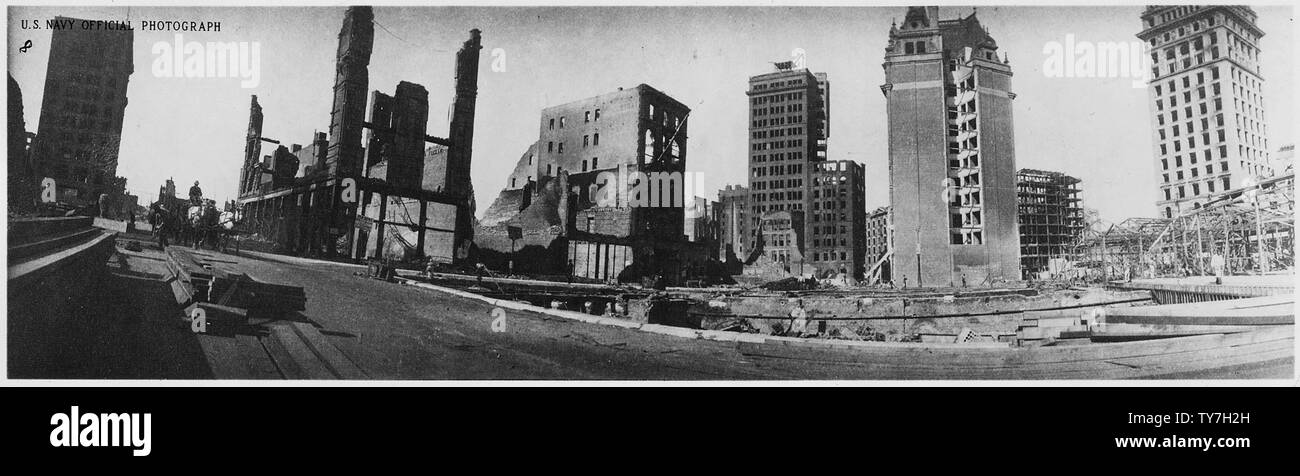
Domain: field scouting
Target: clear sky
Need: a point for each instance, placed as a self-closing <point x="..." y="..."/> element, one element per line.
<point x="1097" y="129"/>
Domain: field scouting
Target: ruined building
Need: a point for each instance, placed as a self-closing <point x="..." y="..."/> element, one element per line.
<point x="1051" y="218"/>
<point x="381" y="198"/>
<point x="602" y="189"/>
<point x="733" y="238"/>
<point x="878" y="250"/>
<point x="1207" y="102"/>
<point x="22" y="180"/>
<point x="84" y="101"/>
<point x="952" y="172"/>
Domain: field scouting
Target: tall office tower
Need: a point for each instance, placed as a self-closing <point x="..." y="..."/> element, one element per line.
<point x="952" y="171"/>
<point x="1207" y="103"/>
<point x="788" y="129"/>
<point x="80" y="129"/>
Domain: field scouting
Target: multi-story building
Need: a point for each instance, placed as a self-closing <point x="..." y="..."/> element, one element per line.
<point x="733" y="239"/>
<point x="1051" y="218"/>
<point x="84" y="101"/>
<point x="788" y="132"/>
<point x="952" y="165"/>
<point x="838" y="218"/>
<point x="1207" y="104"/>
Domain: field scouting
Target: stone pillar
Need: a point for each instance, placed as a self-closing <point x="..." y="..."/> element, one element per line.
<point x="377" y="137"/>
<point x="351" y="82"/>
<point x="410" y="121"/>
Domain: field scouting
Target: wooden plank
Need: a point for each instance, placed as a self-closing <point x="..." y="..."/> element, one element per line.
<point x="1117" y="367"/>
<point x="300" y="355"/>
<point x="339" y="363"/>
<point x="924" y="356"/>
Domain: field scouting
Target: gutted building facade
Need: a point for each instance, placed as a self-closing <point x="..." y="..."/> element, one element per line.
<point x="367" y="190"/>
<point x="602" y="189"/>
<point x="1051" y="218"/>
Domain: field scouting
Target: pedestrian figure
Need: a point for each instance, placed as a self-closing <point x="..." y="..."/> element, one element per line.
<point x="798" y="320"/>
<point x="196" y="194"/>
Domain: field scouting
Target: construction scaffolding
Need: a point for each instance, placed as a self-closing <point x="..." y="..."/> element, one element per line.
<point x="1248" y="230"/>
<point x="1051" y="218"/>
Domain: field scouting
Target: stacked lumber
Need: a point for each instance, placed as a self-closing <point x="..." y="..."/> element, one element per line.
<point x="227" y="296"/>
<point x="242" y="291"/>
<point x="193" y="275"/>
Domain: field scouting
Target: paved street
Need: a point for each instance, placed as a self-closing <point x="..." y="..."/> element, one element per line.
<point x="390" y="331"/>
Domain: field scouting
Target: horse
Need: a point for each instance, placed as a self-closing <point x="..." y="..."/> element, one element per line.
<point x="202" y="225"/>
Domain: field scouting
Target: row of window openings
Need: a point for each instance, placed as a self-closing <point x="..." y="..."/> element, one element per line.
<point x="776" y="121"/>
<point x="829" y="255"/>
<point x="966" y="219"/>
<point x="963" y="108"/>
<point x="832" y="193"/>
<point x="779" y="196"/>
<point x="778" y="84"/>
<point x="967" y="238"/>
<point x="1251" y="121"/>
<point x="788" y="144"/>
<point x="1196" y="188"/>
<point x="778" y="184"/>
<point x="778" y="170"/>
<point x="972" y="143"/>
<point x="830" y="230"/>
<point x="767" y="111"/>
<point x="970" y="162"/>
<point x="1178" y="13"/>
<point x="829" y="217"/>
<point x="587" y="116"/>
<point x="1252" y="146"/>
<point x="1195" y="171"/>
<point x="778" y="156"/>
<point x="793" y="131"/>
<point x="828" y="205"/>
<point x="775" y="98"/>
<point x="776" y="207"/>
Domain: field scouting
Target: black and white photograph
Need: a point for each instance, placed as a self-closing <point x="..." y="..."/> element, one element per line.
<point x="651" y="194"/>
